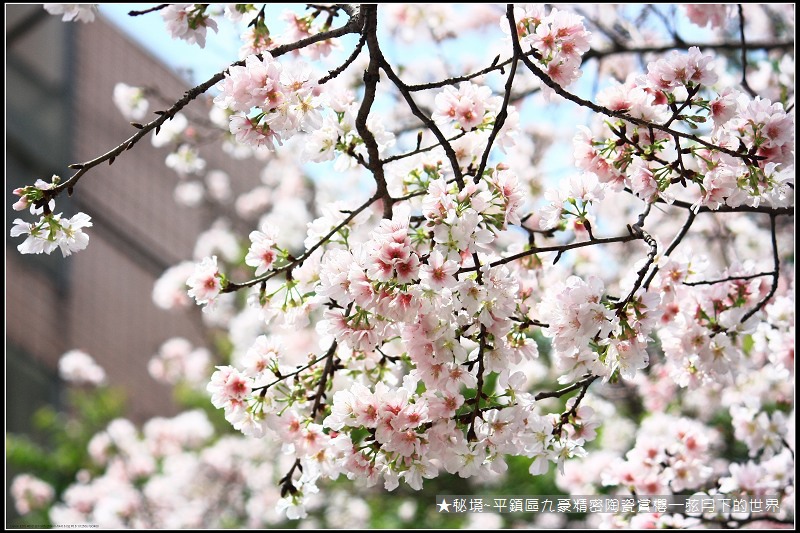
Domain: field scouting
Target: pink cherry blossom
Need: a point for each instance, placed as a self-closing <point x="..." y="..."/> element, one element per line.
<point x="188" y="22"/>
<point x="262" y="253"/>
<point x="205" y="283"/>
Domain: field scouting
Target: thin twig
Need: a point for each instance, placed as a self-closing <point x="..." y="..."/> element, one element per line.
<point x="725" y="280"/>
<point x="765" y="209"/>
<point x="732" y="46"/>
<point x="283" y="377"/>
<point x="335" y="72"/>
<point x="651" y="257"/>
<point x="566" y="390"/>
<point x="421" y="150"/>
<point x="500" y="119"/>
<point x="686" y="103"/>
<point x="353" y="25"/>
<point x="775" y="273"/>
<point x="323" y="380"/>
<point x="585" y="384"/>
<point x="674" y="244"/>
<point x="745" y="85"/>
<point x="427" y="121"/>
<point x="146" y="11"/>
<point x="231" y="286"/>
<point x="560" y="248"/>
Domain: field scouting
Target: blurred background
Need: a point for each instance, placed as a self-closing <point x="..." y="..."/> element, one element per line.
<point x="59" y="110"/>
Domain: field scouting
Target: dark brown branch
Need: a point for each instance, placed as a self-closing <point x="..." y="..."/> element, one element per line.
<point x="371" y="79"/>
<point x="686" y="103"/>
<point x="327" y="372"/>
<point x="585" y="384"/>
<point x="745" y="85"/>
<point x="421" y="150"/>
<point x="732" y="46"/>
<point x="503" y="113"/>
<point x="283" y="377"/>
<point x="286" y="482"/>
<point x="146" y="11"/>
<point x="559" y="248"/>
<point x="651" y="257"/>
<point x="674" y="244"/>
<point x="471" y="436"/>
<point x="335" y="72"/>
<point x="729" y="278"/>
<point x="566" y="390"/>
<point x="776" y="261"/>
<point x="496" y="65"/>
<point x="427" y="121"/>
<point x="765" y="209"/>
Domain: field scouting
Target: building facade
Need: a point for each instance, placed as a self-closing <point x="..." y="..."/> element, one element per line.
<point x="59" y="110"/>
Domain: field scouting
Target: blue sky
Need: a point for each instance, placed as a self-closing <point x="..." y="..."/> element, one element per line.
<point x="150" y="32"/>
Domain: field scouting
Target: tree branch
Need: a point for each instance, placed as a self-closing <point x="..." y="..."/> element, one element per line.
<point x="146" y="11"/>
<point x="674" y="244"/>
<point x="651" y="257"/>
<point x="539" y="73"/>
<point x="371" y="79"/>
<point x="560" y="248"/>
<point x="323" y="381"/>
<point x="566" y="390"/>
<point x="341" y="68"/>
<point x="775" y="273"/>
<point x="727" y="46"/>
<point x="231" y="286"/>
<point x="353" y="25"/>
<point x="729" y="278"/>
<point x="427" y="121"/>
<point x="584" y="386"/>
<point x="745" y="85"/>
<point x="503" y="113"/>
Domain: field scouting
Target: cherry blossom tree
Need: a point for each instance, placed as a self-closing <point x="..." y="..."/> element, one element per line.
<point x="557" y="239"/>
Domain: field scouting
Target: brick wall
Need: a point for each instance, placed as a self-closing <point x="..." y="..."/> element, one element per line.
<point x="105" y="305"/>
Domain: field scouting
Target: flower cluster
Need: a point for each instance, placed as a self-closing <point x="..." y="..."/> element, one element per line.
<point x="742" y="161"/>
<point x="206" y="282"/>
<point x="30" y="493"/>
<point x="188" y="22"/>
<point x="409" y="283"/>
<point x="707" y="15"/>
<point x="468" y="106"/>
<point x="558" y="40"/>
<point x="262" y="253"/>
<point x="270" y="102"/>
<point x="51" y="231"/>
